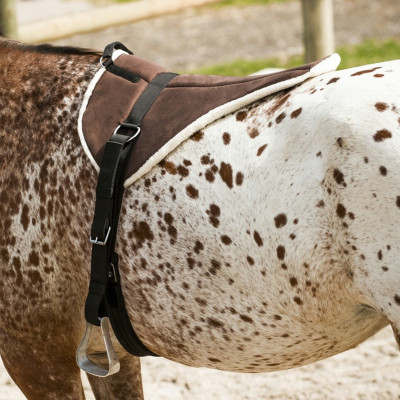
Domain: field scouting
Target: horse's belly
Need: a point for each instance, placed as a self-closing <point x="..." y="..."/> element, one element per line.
<point x="243" y="330"/>
<point x="237" y="290"/>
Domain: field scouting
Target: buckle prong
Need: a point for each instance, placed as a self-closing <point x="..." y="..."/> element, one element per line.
<point x="112" y="273"/>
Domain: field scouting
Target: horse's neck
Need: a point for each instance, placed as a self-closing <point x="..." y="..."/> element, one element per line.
<point x="40" y="96"/>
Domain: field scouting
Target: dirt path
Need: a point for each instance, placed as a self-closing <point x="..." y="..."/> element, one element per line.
<point x="200" y="37"/>
<point x="369" y="372"/>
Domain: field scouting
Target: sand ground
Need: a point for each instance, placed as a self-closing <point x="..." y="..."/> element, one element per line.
<point x="369" y="372"/>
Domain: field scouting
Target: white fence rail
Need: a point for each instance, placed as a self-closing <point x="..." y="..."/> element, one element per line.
<point x="102" y="18"/>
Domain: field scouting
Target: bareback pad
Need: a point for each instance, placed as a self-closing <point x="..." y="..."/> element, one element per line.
<point x="185" y="106"/>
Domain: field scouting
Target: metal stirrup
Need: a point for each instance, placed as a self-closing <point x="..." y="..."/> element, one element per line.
<point x="89" y="366"/>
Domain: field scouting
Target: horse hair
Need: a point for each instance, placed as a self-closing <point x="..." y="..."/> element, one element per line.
<point x="47" y="48"/>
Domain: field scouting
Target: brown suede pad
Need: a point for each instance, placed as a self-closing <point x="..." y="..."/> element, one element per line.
<point x="184" y="100"/>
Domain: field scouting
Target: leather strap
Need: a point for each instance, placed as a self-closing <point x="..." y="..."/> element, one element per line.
<point x="105" y="223"/>
<point x="105" y="296"/>
<point x="109" y="49"/>
<point x="149" y="95"/>
<point x="107" y="62"/>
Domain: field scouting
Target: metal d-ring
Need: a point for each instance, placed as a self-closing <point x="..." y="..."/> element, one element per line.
<point x="89" y="366"/>
<point x="128" y="126"/>
<point x="101" y="61"/>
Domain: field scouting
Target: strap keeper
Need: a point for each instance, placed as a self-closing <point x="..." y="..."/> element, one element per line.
<point x="97" y="288"/>
<point x="127" y="125"/>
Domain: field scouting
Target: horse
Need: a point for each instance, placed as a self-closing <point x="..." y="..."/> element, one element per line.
<point x="266" y="241"/>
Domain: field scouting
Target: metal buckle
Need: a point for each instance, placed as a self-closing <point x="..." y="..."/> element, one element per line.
<point x="105" y="61"/>
<point x="97" y="241"/>
<point x="89" y="366"/>
<point x="129" y="126"/>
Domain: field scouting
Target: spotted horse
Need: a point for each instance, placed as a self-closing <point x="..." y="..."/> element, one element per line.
<point x="266" y="240"/>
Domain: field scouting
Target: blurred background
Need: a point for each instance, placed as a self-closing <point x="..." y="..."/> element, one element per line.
<point x="230" y="37"/>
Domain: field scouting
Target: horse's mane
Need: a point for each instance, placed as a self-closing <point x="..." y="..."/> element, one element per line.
<point x="46" y="48"/>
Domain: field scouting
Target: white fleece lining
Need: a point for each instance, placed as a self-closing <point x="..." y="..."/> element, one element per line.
<point x="117" y="53"/>
<point x="85" y="102"/>
<point x="329" y="64"/>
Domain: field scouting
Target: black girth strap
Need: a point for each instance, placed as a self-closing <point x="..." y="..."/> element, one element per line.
<point x="105" y="296"/>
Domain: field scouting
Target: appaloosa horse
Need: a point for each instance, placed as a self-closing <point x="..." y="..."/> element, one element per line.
<point x="267" y="241"/>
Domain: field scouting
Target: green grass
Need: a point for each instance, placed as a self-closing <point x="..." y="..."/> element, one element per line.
<point x="367" y="52"/>
<point x="245" y="67"/>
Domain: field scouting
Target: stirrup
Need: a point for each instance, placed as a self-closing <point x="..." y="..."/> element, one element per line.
<point x="89" y="366"/>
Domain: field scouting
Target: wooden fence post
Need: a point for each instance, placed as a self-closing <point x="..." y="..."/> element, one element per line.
<point x="8" y="19"/>
<point x="318" y="29"/>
